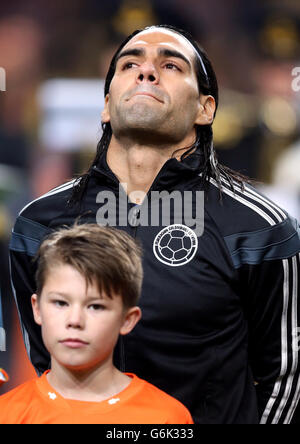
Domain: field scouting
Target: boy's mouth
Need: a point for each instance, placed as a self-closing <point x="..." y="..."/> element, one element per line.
<point x="73" y="343"/>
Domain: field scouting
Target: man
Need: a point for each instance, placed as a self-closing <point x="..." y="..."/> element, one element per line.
<point x="220" y="293"/>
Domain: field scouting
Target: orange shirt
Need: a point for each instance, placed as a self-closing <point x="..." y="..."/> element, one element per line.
<point x="36" y="402"/>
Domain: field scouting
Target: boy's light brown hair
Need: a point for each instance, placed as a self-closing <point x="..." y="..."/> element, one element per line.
<point x="103" y="255"/>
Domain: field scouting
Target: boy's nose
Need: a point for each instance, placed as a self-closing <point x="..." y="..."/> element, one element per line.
<point x="75" y="318"/>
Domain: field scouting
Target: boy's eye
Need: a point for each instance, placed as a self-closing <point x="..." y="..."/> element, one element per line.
<point x="96" y="307"/>
<point x="60" y="303"/>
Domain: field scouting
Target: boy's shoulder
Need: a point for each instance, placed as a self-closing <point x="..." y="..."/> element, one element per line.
<point x="19" y="391"/>
<point x="16" y="400"/>
<point x="140" y="403"/>
<point x="172" y="408"/>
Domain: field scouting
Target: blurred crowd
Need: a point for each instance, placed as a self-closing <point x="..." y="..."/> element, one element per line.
<point x="55" y="55"/>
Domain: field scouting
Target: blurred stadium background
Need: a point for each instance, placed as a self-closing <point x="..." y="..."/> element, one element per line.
<point x="55" y="55"/>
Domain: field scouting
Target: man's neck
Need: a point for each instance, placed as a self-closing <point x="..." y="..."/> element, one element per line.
<point x="94" y="385"/>
<point x="137" y="165"/>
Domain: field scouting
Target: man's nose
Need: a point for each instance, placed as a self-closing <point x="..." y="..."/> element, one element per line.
<point x="75" y="317"/>
<point x="148" y="73"/>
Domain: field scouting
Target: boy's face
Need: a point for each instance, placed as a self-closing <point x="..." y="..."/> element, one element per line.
<point x="80" y="327"/>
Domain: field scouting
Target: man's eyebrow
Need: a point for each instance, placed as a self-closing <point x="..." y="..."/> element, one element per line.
<point x="173" y="53"/>
<point x="165" y="52"/>
<point x="138" y="52"/>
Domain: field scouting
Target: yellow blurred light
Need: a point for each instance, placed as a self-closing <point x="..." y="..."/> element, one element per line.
<point x="133" y="15"/>
<point x="228" y="127"/>
<point x="279" y="116"/>
<point x="280" y="38"/>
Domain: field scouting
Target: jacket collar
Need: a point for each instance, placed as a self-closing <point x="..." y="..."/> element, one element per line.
<point x="172" y="174"/>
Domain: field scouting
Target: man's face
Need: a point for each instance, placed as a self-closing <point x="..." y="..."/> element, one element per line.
<point x="79" y="327"/>
<point x="154" y="91"/>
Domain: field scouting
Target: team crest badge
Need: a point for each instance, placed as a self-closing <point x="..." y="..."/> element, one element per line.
<point x="175" y="245"/>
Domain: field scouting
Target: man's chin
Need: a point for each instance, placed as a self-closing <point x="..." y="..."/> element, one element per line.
<point x="150" y="134"/>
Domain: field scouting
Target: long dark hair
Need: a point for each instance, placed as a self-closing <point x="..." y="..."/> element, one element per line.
<point x="208" y="85"/>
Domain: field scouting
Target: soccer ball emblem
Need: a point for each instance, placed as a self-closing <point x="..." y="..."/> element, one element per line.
<point x="175" y="245"/>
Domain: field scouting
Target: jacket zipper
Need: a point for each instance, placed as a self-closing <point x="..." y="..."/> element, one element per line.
<point x="134" y="224"/>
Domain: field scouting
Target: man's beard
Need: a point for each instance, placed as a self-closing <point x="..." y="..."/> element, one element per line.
<point x="142" y="115"/>
<point x="144" y="124"/>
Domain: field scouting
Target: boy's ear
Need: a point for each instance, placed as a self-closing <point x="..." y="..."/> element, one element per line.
<point x="36" y="309"/>
<point x="132" y="317"/>
<point x="105" y="116"/>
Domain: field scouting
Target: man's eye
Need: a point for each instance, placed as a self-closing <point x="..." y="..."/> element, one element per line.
<point x="172" y="67"/>
<point x="129" y="65"/>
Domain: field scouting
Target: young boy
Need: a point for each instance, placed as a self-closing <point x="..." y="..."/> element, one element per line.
<point x="88" y="284"/>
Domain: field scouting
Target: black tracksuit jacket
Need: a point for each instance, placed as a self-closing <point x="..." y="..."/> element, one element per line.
<point x="220" y="330"/>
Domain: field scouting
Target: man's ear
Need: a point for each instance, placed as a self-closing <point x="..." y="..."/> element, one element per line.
<point x="105" y="116"/>
<point x="206" y="111"/>
<point x="36" y="309"/>
<point x="132" y="317"/>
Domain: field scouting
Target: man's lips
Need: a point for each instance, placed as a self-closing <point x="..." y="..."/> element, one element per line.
<point x="73" y="342"/>
<point x="148" y="91"/>
<point x="148" y="95"/>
